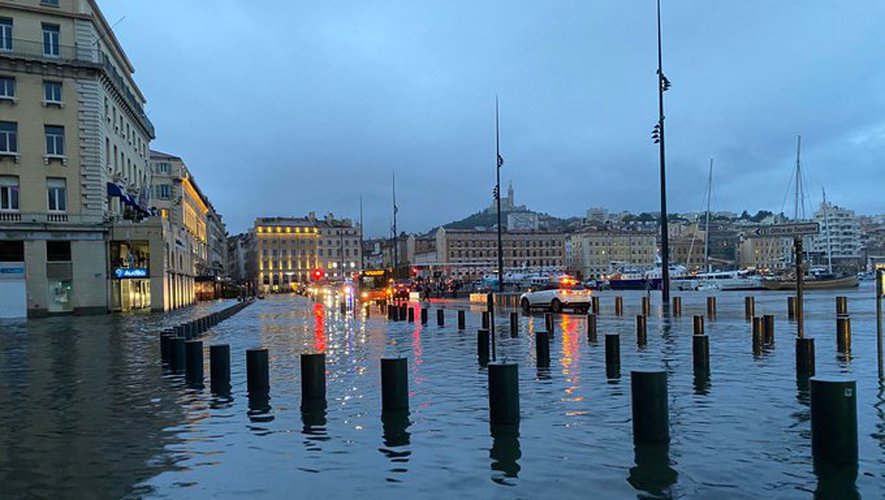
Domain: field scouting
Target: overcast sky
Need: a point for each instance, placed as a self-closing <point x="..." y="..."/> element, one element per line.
<point x="282" y="107"/>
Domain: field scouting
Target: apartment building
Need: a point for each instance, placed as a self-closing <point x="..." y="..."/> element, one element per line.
<point x="597" y="254"/>
<point x="74" y="142"/>
<point x="291" y="250"/>
<point x="470" y="253"/>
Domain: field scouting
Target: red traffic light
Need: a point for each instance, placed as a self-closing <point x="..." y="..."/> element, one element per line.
<point x="317" y="274"/>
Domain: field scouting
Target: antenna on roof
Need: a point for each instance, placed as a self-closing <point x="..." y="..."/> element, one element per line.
<point x="112" y="28"/>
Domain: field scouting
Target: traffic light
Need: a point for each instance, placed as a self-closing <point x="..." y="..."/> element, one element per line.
<point x="317" y="274"/>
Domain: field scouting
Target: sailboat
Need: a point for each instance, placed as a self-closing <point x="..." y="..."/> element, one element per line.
<point x="817" y="278"/>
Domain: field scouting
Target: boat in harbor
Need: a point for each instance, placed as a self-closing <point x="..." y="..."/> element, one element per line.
<point x="720" y="280"/>
<point x="815" y="280"/>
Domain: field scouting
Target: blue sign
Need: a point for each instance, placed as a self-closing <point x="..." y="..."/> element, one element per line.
<point x="133" y="272"/>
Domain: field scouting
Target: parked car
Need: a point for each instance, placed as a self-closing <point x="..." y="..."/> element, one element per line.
<point x="400" y="289"/>
<point x="564" y="293"/>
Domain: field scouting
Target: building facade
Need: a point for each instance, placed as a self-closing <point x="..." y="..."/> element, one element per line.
<point x="598" y="254"/>
<point x="840" y="236"/>
<point x="469" y="254"/>
<point x="290" y="251"/>
<point x="74" y="143"/>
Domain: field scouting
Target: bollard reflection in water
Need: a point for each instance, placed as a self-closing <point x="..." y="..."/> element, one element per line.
<point x="702" y="383"/>
<point x="396" y="438"/>
<point x="259" y="408"/>
<point x="836" y="481"/>
<point x="313" y="418"/>
<point x="652" y="473"/>
<point x="505" y="452"/>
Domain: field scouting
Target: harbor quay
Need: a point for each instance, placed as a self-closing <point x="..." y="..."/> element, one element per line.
<point x="141" y="427"/>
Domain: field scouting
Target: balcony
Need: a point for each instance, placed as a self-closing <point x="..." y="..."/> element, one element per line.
<point x="29" y="49"/>
<point x="48" y="218"/>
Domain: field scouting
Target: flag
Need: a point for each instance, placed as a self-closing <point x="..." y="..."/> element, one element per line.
<point x="500" y="161"/>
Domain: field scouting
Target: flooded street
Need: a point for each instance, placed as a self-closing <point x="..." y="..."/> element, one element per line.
<point x="87" y="411"/>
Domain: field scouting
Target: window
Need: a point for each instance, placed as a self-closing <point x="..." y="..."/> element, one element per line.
<point x="52" y="92"/>
<point x="8" y="192"/>
<point x="55" y="140"/>
<point x="5" y="34"/>
<point x="163" y="191"/>
<point x="58" y="251"/>
<point x="163" y="167"/>
<point x="51" y="3"/>
<point x="8" y="137"/>
<point x="50" y="40"/>
<point x="7" y="87"/>
<point x="57" y="195"/>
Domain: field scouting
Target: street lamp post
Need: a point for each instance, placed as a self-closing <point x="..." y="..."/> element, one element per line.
<point x="499" y="162"/>
<point x="658" y="137"/>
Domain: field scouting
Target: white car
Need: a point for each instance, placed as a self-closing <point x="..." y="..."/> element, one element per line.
<point x="557" y="296"/>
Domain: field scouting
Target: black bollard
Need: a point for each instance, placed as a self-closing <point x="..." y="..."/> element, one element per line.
<point x="591" y="328"/>
<point x="165" y="336"/>
<point x="367" y="309"/>
<point x="549" y="323"/>
<point x="711" y="307"/>
<point x="219" y="368"/>
<point x="700" y="353"/>
<point x="841" y="305"/>
<point x="697" y="325"/>
<point x="834" y="421"/>
<point x="758" y="335"/>
<point x="403" y="312"/>
<point x="176" y="354"/>
<point x="514" y="325"/>
<point x="651" y="419"/>
<point x="619" y="306"/>
<point x="257" y="373"/>
<point x="542" y="349"/>
<point x="768" y="328"/>
<point x="641" y="331"/>
<point x="193" y="362"/>
<point x="612" y="355"/>
<point x="503" y="393"/>
<point x="411" y="315"/>
<point x="440" y="317"/>
<point x="677" y="306"/>
<point x="646" y="306"/>
<point x="791" y="308"/>
<point x="423" y="316"/>
<point x="749" y="308"/>
<point x="805" y="357"/>
<point x="313" y="378"/>
<point x="482" y="346"/>
<point x="394" y="384"/>
<point x="485" y="320"/>
<point x="389" y="309"/>
<point x="462" y="320"/>
<point x="843" y="333"/>
<point x="594" y="304"/>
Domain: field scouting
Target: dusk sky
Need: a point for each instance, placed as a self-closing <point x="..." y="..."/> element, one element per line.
<point x="283" y="107"/>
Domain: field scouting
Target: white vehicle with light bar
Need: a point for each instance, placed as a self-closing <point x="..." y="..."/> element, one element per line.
<point x="563" y="293"/>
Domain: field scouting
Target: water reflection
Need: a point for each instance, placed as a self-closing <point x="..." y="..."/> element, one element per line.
<point x="505" y="452"/>
<point x="259" y="408"/>
<point x="652" y="474"/>
<point x="836" y="481"/>
<point x="396" y="437"/>
<point x="313" y="418"/>
<point x="702" y="382"/>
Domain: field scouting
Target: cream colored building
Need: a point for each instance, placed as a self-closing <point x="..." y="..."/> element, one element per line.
<point x="74" y="142"/>
<point x="469" y="253"/>
<point x="597" y="254"/>
<point x="290" y="250"/>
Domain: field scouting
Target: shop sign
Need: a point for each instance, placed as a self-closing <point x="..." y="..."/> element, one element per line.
<point x="12" y="270"/>
<point x="131" y="272"/>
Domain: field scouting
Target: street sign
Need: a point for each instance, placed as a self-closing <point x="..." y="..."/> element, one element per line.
<point x="788" y="230"/>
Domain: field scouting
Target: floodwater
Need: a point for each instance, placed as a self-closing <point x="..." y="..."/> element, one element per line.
<point x="87" y="411"/>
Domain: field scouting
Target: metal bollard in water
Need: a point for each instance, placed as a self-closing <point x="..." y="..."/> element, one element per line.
<point x="176" y="354"/>
<point x="805" y="357"/>
<point x="165" y="336"/>
<point x="482" y="346"/>
<point x="711" y="307"/>
<point x="791" y="308"/>
<point x="841" y="305"/>
<point x="503" y="393"/>
<point x="411" y="315"/>
<point x="485" y="320"/>
<point x="257" y="373"/>
<point x="549" y="323"/>
<point x="677" y="306"/>
<point x="542" y="349"/>
<point x="619" y="306"/>
<point x="650" y="406"/>
<point x="843" y="333"/>
<point x="440" y="317"/>
<point x="641" y="331"/>
<point x="646" y="306"/>
<point x="514" y="325"/>
<point x="394" y="384"/>
<point x="193" y="362"/>
<point x="697" y="325"/>
<point x="313" y="379"/>
<point x="423" y="316"/>
<point x="768" y="328"/>
<point x="612" y="355"/>
<point x="594" y="304"/>
<point x="591" y="328"/>
<point x="758" y="335"/>
<point x="219" y="368"/>
<point x="700" y="353"/>
<point x="749" y="308"/>
<point x="834" y="421"/>
<point x="462" y="320"/>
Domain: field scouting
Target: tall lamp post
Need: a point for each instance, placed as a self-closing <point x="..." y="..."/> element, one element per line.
<point x="658" y="138"/>
<point x="499" y="162"/>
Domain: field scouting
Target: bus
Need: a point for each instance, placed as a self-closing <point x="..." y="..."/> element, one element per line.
<point x="374" y="285"/>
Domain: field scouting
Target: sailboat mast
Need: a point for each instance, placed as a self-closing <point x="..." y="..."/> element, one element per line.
<point x="798" y="179"/>
<point x="395" y="242"/>
<point x="827" y="229"/>
<point x="362" y="256"/>
<point x="707" y="223"/>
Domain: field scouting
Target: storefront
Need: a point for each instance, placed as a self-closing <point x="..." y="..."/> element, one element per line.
<point x="130" y="275"/>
